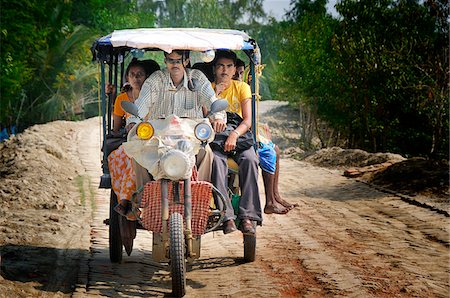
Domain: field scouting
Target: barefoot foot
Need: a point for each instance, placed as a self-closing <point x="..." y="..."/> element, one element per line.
<point x="275" y="210"/>
<point x="285" y="204"/>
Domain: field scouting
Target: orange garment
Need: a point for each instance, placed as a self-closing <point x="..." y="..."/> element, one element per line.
<point x="123" y="177"/>
<point x="118" y="111"/>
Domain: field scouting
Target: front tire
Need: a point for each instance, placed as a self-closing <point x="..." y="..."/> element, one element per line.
<point x="115" y="240"/>
<point x="177" y="253"/>
<point x="249" y="248"/>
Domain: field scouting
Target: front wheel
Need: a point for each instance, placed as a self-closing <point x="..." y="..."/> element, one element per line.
<point x="177" y="260"/>
<point x="249" y="248"/>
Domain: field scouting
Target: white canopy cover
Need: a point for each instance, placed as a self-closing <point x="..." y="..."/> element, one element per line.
<point x="169" y="39"/>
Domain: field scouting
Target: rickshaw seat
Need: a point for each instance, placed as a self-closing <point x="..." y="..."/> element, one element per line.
<point x="206" y="68"/>
<point x="232" y="165"/>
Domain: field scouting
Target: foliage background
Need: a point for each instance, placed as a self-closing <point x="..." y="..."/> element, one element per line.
<point x="374" y="78"/>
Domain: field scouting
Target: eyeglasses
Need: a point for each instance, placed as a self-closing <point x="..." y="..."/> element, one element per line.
<point x="136" y="75"/>
<point x="173" y="61"/>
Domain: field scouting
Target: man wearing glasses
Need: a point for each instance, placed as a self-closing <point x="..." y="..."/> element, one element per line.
<point x="182" y="92"/>
<point x="177" y="90"/>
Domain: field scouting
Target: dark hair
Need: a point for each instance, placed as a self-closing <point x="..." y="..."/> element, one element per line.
<point x="240" y="63"/>
<point x="134" y="62"/>
<point x="227" y="54"/>
<point x="206" y="68"/>
<point x="182" y="53"/>
<point x="149" y="66"/>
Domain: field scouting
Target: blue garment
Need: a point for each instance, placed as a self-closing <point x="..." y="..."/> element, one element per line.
<point x="267" y="157"/>
<point x="4" y="134"/>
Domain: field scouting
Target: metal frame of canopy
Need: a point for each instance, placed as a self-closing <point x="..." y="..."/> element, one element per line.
<point x="111" y="49"/>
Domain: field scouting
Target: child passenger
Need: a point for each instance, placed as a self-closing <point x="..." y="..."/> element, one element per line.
<point x="269" y="161"/>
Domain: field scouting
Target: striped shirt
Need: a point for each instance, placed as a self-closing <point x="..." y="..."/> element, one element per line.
<point x="159" y="98"/>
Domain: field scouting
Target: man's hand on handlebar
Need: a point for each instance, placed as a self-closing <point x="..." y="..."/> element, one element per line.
<point x="130" y="126"/>
<point x="218" y="125"/>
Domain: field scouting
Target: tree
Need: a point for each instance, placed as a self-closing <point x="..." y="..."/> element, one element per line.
<point x="305" y="73"/>
<point x="393" y="55"/>
<point x="378" y="75"/>
<point x="226" y="14"/>
<point x="29" y="29"/>
<point x="45" y="71"/>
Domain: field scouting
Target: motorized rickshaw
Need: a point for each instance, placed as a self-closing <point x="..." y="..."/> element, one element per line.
<point x="176" y="229"/>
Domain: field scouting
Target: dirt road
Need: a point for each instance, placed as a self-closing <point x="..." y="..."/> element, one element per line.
<point x="344" y="239"/>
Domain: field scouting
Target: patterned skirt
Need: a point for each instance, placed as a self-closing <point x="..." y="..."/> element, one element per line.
<point x="123" y="177"/>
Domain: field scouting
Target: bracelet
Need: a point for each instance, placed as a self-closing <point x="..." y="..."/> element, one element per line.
<point x="236" y="133"/>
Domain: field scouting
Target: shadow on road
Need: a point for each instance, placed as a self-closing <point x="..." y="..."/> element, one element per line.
<point x="51" y="269"/>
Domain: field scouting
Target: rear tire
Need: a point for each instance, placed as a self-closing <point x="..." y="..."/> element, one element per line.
<point x="115" y="240"/>
<point x="177" y="255"/>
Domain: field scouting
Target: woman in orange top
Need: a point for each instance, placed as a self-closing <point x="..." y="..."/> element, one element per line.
<point x="123" y="177"/>
<point x="135" y="75"/>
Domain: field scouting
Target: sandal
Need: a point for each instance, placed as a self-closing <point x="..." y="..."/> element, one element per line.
<point x="121" y="210"/>
<point x="133" y="215"/>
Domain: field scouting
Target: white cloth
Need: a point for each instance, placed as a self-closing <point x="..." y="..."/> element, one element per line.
<point x="169" y="39"/>
<point x="167" y="132"/>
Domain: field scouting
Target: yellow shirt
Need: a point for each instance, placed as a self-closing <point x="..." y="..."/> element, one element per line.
<point x="236" y="93"/>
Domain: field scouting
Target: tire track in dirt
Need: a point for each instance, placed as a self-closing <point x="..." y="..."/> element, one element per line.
<point x="345" y="239"/>
<point x="356" y="241"/>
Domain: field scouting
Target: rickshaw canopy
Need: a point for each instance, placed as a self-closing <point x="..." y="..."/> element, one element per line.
<point x="169" y="39"/>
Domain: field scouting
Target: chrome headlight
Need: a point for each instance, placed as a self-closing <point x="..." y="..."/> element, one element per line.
<point x="202" y="131"/>
<point x="177" y="165"/>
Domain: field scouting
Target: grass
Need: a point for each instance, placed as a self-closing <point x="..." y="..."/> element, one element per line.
<point x="86" y="190"/>
<point x="79" y="182"/>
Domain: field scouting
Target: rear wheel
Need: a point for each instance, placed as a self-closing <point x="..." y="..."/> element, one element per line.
<point x="177" y="259"/>
<point x="115" y="240"/>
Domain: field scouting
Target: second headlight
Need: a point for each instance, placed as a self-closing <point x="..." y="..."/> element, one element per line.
<point x="202" y="131"/>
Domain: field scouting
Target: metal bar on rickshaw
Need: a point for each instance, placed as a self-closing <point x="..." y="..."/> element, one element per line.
<point x="188" y="214"/>
<point x="110" y="94"/>
<point x="122" y="70"/>
<point x="253" y="86"/>
<point x="164" y="207"/>
<point x="103" y="107"/>
<point x="115" y="84"/>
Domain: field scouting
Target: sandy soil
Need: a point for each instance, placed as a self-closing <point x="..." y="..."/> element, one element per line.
<point x="383" y="234"/>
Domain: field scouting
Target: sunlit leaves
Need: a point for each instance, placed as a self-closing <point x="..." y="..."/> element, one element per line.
<point x="387" y="49"/>
<point x="379" y="74"/>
